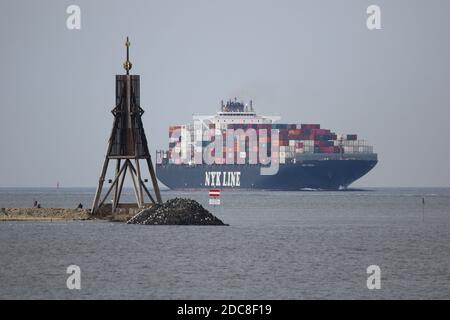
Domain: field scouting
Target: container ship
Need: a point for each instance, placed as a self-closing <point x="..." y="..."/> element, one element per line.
<point x="232" y="148"/>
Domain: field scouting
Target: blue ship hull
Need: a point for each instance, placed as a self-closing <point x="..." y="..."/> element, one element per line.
<point x="309" y="174"/>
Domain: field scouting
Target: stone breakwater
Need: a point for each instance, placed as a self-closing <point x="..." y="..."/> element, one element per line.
<point x="178" y="211"/>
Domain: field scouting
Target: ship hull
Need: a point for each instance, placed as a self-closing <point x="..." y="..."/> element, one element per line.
<point x="314" y="174"/>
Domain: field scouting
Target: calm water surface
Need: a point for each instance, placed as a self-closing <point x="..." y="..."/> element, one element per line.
<point x="279" y="245"/>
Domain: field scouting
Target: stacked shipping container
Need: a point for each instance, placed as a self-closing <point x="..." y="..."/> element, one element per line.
<point x="294" y="139"/>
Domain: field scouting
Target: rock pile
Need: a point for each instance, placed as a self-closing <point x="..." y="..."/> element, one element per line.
<point x="178" y="211"/>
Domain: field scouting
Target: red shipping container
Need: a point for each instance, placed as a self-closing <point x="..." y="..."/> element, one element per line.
<point x="310" y="126"/>
<point x="320" y="131"/>
<point x="326" y="149"/>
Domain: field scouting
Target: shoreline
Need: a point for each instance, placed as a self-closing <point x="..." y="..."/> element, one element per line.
<point x="59" y="214"/>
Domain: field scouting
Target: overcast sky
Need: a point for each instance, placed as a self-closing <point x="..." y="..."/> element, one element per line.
<point x="307" y="61"/>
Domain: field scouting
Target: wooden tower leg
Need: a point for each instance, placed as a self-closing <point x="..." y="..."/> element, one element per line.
<point x="115" y="182"/>
<point x="145" y="188"/>
<point x="116" y="190"/>
<point x="121" y="183"/>
<point x="101" y="180"/>
<point x="139" y="179"/>
<point x="136" y="192"/>
<point x="154" y="181"/>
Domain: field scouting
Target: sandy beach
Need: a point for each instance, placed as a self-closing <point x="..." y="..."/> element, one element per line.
<point x="57" y="214"/>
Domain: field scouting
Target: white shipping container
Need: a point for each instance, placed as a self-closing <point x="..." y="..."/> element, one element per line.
<point x="349" y="150"/>
<point x="308" y="142"/>
<point x="290" y="154"/>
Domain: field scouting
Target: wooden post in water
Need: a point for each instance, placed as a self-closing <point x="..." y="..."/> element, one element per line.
<point x="423" y="209"/>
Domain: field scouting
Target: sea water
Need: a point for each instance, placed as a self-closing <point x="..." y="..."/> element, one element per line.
<point x="279" y="245"/>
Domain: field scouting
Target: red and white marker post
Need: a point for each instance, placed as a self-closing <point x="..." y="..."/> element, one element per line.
<point x="214" y="197"/>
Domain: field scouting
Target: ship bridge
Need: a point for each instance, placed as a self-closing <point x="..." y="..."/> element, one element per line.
<point x="234" y="112"/>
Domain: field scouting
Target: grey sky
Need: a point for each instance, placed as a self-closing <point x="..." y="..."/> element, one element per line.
<point x="307" y="61"/>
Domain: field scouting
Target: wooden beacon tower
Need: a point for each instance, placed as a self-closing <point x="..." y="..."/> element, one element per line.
<point x="127" y="145"/>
